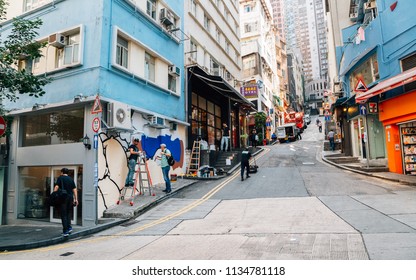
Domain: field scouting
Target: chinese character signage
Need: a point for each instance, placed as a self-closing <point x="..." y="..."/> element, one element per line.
<point x="249" y="91"/>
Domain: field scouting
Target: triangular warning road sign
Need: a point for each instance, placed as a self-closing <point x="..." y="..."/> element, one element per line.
<point x="96" y="108"/>
<point x="361" y="86"/>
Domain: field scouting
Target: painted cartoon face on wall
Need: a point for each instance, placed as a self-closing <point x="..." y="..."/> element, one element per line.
<point x="113" y="164"/>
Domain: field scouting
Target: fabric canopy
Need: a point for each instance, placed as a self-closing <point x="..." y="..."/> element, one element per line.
<point x="220" y="85"/>
<point x="389" y="84"/>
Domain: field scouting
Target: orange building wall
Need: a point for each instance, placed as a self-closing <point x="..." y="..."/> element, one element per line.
<point x="391" y="112"/>
<point x="394" y="153"/>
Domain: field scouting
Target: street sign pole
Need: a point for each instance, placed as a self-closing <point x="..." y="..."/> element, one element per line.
<point x="367" y="151"/>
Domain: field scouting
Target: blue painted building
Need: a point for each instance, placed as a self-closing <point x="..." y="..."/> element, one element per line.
<point x="377" y="67"/>
<point x="117" y="73"/>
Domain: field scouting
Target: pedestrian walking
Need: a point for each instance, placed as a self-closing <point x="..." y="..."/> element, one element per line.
<point x="134" y="153"/>
<point x="68" y="187"/>
<point x="225" y="137"/>
<point x="298" y="134"/>
<point x="164" y="155"/>
<point x="320" y="126"/>
<point x="331" y="138"/>
<point x="245" y="165"/>
<point x="254" y="138"/>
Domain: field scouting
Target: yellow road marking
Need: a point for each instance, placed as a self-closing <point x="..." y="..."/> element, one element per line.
<point x="146" y="226"/>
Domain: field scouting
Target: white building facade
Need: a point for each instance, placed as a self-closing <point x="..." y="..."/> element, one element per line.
<point x="258" y="47"/>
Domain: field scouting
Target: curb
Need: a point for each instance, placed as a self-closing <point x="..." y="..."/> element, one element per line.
<point x="61" y="239"/>
<point x="369" y="174"/>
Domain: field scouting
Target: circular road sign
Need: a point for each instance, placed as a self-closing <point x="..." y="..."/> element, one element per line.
<point x="2" y="126"/>
<point x="96" y="124"/>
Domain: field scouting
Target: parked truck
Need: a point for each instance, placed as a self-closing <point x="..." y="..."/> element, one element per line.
<point x="286" y="132"/>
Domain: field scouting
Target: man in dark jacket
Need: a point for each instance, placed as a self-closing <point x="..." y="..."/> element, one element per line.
<point x="245" y="158"/>
<point x="67" y="184"/>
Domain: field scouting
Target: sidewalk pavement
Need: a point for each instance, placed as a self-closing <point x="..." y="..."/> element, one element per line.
<point x="35" y="234"/>
<point x="372" y="171"/>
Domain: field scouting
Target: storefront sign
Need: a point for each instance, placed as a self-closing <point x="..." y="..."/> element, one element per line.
<point x="249" y="91"/>
<point x="372" y="108"/>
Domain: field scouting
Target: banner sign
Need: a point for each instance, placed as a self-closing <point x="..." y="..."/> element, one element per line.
<point x="249" y="91"/>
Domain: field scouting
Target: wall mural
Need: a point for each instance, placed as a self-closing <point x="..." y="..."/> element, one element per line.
<point x="113" y="168"/>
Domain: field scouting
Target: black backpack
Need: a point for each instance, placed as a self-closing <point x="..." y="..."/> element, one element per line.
<point x="171" y="160"/>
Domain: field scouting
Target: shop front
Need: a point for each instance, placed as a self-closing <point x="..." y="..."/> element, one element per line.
<point x="399" y="119"/>
<point x="213" y="102"/>
<point x="397" y="113"/>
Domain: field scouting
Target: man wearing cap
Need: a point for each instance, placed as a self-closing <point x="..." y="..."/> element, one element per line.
<point x="164" y="154"/>
<point x="134" y="153"/>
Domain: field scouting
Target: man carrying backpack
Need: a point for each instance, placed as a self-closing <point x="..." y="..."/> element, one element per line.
<point x="164" y="155"/>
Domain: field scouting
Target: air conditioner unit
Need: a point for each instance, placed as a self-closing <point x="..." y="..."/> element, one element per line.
<point x="157" y="122"/>
<point x="173" y="70"/>
<point x="173" y="126"/>
<point x="166" y="17"/>
<point x="191" y="59"/>
<point x="118" y="116"/>
<point x="57" y="40"/>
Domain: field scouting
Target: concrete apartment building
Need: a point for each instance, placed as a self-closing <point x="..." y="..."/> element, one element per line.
<point x="258" y="45"/>
<point x="213" y="69"/>
<point x="128" y="54"/>
<point x="376" y="59"/>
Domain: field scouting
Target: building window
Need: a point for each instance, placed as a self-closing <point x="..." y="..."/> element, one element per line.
<point x="227" y="47"/>
<point x="122" y="52"/>
<point x="409" y="62"/>
<point x="206" y="120"/>
<point x="218" y="35"/>
<point x="172" y="83"/>
<point x="248" y="8"/>
<point x="250" y="27"/>
<point x="71" y="50"/>
<point x="194" y="50"/>
<point x="32" y="4"/>
<point x="215" y="67"/>
<point x="151" y="8"/>
<point x="149" y="64"/>
<point x="52" y="128"/>
<point x="207" y="23"/>
<point x="193" y="7"/>
<point x="367" y="71"/>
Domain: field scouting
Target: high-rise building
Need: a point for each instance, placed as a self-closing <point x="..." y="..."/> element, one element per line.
<point x="258" y="48"/>
<point x="306" y="31"/>
<point x="213" y="69"/>
<point x="279" y="17"/>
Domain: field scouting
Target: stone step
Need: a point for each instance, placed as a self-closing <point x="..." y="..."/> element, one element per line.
<point x="344" y="160"/>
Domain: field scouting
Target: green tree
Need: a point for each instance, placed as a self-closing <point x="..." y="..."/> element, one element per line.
<point x="260" y="123"/>
<point x="19" y="45"/>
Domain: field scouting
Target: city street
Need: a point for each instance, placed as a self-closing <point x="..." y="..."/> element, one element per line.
<point x="295" y="207"/>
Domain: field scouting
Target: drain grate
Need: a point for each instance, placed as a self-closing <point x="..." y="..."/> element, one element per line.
<point x="67" y="254"/>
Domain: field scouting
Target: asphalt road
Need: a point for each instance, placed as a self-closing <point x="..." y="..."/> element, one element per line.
<point x="295" y="207"/>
